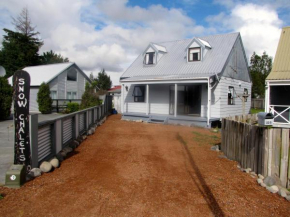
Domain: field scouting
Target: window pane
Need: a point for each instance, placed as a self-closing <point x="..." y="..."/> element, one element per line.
<point x="138" y="91"/>
<point x="194" y="54"/>
<point x="74" y="95"/>
<point x="53" y="94"/>
<point x="72" y="75"/>
<point x="68" y="95"/>
<point x="149" y="58"/>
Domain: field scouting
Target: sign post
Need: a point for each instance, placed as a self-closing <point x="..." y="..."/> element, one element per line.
<point x="21" y="86"/>
<point x="15" y="176"/>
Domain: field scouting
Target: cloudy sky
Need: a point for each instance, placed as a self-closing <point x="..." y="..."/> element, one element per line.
<point x="110" y="34"/>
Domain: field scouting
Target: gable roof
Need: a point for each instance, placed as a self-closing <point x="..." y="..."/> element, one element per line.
<point x="281" y="65"/>
<point x="46" y="73"/>
<point x="173" y="64"/>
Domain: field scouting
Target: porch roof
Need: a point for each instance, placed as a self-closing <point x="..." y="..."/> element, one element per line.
<point x="281" y="66"/>
<point x="171" y="78"/>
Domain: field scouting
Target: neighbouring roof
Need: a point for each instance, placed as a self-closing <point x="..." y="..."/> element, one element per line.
<point x="116" y="89"/>
<point x="174" y="65"/>
<point x="281" y="65"/>
<point x="46" y="73"/>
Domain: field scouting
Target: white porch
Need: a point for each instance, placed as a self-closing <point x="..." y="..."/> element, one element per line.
<point x="183" y="102"/>
<point x="278" y="102"/>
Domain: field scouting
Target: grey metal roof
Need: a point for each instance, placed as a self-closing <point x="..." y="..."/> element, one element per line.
<point x="173" y="64"/>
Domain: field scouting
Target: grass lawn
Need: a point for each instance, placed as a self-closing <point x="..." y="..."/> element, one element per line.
<point x="255" y="110"/>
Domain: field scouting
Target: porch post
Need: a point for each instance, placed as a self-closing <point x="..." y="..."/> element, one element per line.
<point x="122" y="98"/>
<point x="147" y="99"/>
<point x="267" y="103"/>
<point x="208" y="102"/>
<point x="175" y="100"/>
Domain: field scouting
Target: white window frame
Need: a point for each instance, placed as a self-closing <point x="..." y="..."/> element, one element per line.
<point x="71" y="93"/>
<point x="146" y="58"/>
<point x="194" y="50"/>
<point x="51" y="95"/>
<point x="231" y="95"/>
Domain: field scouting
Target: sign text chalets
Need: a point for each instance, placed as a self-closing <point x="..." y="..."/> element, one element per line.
<point x="21" y="84"/>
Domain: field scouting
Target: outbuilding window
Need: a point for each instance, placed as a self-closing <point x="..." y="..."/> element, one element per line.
<point x="139" y="93"/>
<point x="53" y="94"/>
<point x="72" y="75"/>
<point x="231" y="96"/>
<point x="71" y="95"/>
<point x="149" y="58"/>
<point x="194" y="54"/>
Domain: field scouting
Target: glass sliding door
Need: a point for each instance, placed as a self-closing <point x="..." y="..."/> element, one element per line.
<point x="188" y="100"/>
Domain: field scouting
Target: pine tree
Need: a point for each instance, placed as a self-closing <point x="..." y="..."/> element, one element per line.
<point x="43" y="99"/>
<point x="6" y="92"/>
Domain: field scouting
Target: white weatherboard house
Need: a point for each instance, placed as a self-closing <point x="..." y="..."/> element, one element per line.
<point x="66" y="81"/>
<point x="192" y="81"/>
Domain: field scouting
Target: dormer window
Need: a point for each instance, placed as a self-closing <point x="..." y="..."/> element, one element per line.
<point x="194" y="54"/>
<point x="149" y="58"/>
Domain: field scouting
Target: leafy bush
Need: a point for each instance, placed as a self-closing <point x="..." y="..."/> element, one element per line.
<point x="72" y="107"/>
<point x="44" y="100"/>
<point x="89" y="98"/>
<point x="6" y="92"/>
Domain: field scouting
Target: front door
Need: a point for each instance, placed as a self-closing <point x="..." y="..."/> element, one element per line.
<point x="188" y="100"/>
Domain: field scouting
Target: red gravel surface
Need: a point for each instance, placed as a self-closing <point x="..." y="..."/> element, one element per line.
<point x="139" y="169"/>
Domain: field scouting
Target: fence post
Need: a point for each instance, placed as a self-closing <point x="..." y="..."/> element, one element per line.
<point x="284" y="157"/>
<point x="33" y="131"/>
<point x="87" y="119"/>
<point x="58" y="135"/>
<point x="77" y="120"/>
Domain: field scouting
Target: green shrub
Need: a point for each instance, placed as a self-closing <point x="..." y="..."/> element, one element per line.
<point x="89" y="98"/>
<point x="72" y="107"/>
<point x="44" y="100"/>
<point x="6" y="92"/>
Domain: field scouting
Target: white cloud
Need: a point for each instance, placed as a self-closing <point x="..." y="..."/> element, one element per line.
<point x="100" y="34"/>
<point x="259" y="26"/>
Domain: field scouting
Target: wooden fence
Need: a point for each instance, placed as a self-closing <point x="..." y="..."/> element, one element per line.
<point x="265" y="150"/>
<point x="258" y="103"/>
<point x="49" y="137"/>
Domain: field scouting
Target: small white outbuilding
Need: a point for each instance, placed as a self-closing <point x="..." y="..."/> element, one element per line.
<point x="66" y="81"/>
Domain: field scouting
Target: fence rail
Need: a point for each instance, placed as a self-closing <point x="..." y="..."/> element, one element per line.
<point x="264" y="150"/>
<point x="50" y="137"/>
<point x="258" y="103"/>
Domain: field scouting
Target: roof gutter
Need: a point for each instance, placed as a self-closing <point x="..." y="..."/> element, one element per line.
<point x="167" y="80"/>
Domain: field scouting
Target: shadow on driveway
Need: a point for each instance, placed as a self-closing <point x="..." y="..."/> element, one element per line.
<point x="200" y="183"/>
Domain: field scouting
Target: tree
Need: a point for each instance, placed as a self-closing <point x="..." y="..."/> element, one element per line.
<point x="89" y="98"/>
<point x="103" y="81"/>
<point x="43" y="99"/>
<point x="6" y="92"/>
<point x="51" y="57"/>
<point x="23" y="24"/>
<point x="260" y="67"/>
<point x="20" y="48"/>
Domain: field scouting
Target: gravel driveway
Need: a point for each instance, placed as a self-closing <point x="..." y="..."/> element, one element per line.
<point x="139" y="169"/>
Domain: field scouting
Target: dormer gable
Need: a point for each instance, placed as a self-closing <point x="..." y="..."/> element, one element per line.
<point x="196" y="50"/>
<point x="153" y="53"/>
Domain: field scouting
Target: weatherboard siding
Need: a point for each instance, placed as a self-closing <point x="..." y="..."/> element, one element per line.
<point x="130" y="105"/>
<point x="80" y="85"/>
<point x="237" y="66"/>
<point x="33" y="105"/>
<point x="159" y="99"/>
<point x="222" y="94"/>
<point x="61" y="87"/>
<point x="53" y="84"/>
